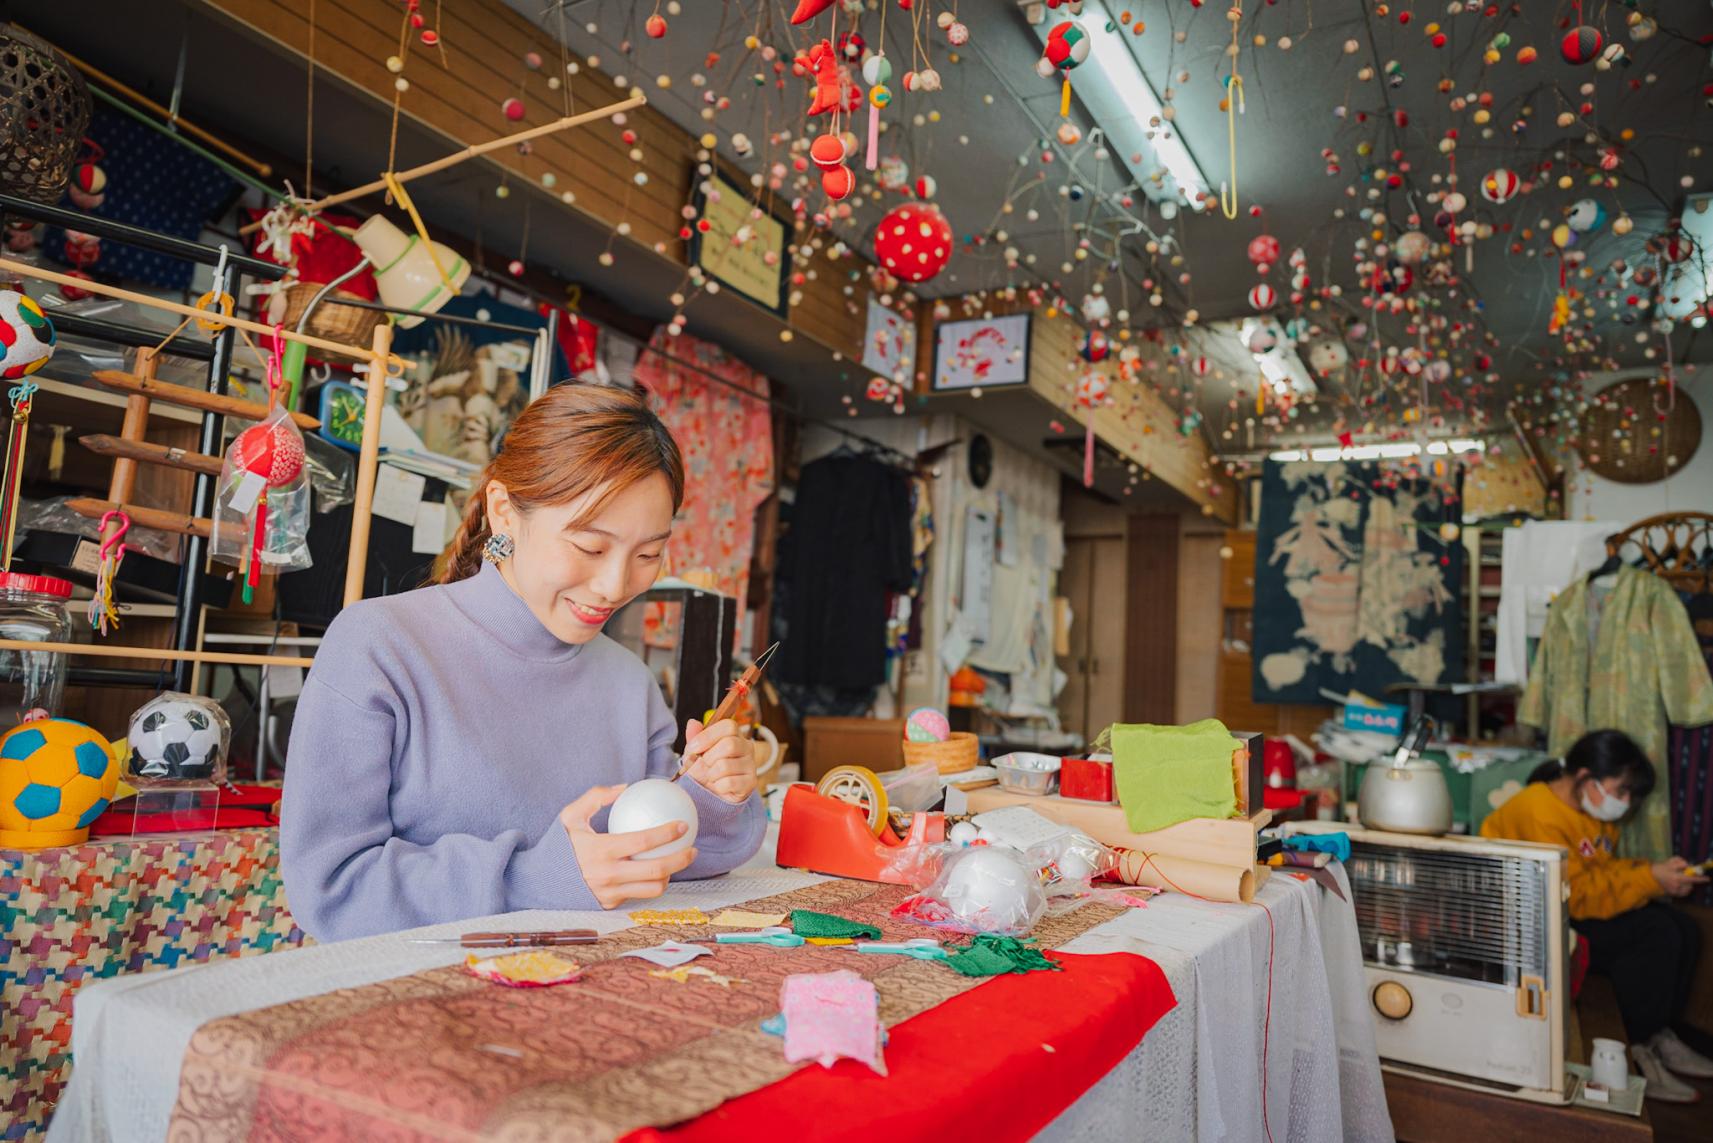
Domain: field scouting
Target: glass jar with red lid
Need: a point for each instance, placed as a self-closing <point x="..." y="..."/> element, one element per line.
<point x="33" y="610"/>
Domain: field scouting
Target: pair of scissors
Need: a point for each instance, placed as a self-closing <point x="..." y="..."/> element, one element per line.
<point x="922" y="948"/>
<point x="779" y="938"/>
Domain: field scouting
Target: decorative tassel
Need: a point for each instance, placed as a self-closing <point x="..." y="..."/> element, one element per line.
<point x="22" y="395"/>
<point x="1088" y="453"/>
<point x="1065" y="99"/>
<point x="872" y="159"/>
<point x="103" y="612"/>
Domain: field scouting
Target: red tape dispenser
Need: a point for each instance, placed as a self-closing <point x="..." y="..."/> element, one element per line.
<point x="849" y="839"/>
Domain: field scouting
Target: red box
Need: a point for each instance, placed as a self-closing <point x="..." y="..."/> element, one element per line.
<point x="1086" y="779"/>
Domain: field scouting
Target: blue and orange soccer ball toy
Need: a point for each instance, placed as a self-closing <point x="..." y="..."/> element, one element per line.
<point x="56" y="777"/>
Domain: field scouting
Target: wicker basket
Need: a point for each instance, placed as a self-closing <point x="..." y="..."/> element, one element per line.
<point x="956" y="754"/>
<point x="44" y="113"/>
<point x="350" y="325"/>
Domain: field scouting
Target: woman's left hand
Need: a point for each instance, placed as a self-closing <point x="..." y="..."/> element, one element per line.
<point x="723" y="761"/>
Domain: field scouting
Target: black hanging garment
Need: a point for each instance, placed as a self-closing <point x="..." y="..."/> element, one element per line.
<point x="847" y="548"/>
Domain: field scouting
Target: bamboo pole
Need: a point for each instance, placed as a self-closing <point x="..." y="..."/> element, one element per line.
<point x="160" y="519"/>
<point x="94" y="287"/>
<point x="188" y="397"/>
<point x="368" y="464"/>
<point x="104" y="651"/>
<point x="473" y="151"/>
<point x="138" y="97"/>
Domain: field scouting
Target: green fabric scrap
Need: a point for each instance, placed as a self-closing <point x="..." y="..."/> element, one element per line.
<point x="1170" y="774"/>
<point x="808" y="923"/>
<point x="993" y="955"/>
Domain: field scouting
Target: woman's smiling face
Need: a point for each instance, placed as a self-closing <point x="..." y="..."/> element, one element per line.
<point x="575" y="572"/>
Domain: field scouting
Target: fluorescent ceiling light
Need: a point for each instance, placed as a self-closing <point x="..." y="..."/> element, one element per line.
<point x="1395" y="451"/>
<point x="1281" y="365"/>
<point x="1111" y="85"/>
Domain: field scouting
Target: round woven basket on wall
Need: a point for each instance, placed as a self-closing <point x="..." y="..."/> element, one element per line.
<point x="350" y="325"/>
<point x="44" y="112"/>
<point x="956" y="754"/>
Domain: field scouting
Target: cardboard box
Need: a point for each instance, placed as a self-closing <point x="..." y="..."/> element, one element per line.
<point x="1384" y="719"/>
<point x="877" y="743"/>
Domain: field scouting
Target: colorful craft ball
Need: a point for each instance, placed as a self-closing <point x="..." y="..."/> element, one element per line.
<point x="56" y="777"/>
<point x="1095" y="347"/>
<point x="1262" y="297"/>
<point x="876" y="69"/>
<point x="1092" y="390"/>
<point x="655" y="26"/>
<point x="1527" y="55"/>
<point x="1500" y="185"/>
<point x="26" y="336"/>
<point x="879" y="389"/>
<point x="1067" y="46"/>
<point x="1327" y="356"/>
<point x="926" y="724"/>
<point x="271" y="451"/>
<point x="926" y="187"/>
<point x="1412" y="247"/>
<point x="827" y="151"/>
<point x="1586" y="215"/>
<point x="1677" y="247"/>
<point x="1263" y="250"/>
<point x="512" y="108"/>
<point x="837" y="182"/>
<point x="914" y="241"/>
<point x="1581" y="44"/>
<point x="88" y="186"/>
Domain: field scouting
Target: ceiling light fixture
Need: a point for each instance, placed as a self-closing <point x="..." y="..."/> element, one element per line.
<point x="1120" y="99"/>
<point x="1381" y="452"/>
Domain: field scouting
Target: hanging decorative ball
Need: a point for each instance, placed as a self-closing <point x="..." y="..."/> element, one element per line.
<point x="1069" y="133"/>
<point x="893" y="174"/>
<point x="928" y="80"/>
<point x="88" y="186"/>
<point x="926" y="187"/>
<point x="1581" y="44"/>
<point x="1328" y="355"/>
<point x="851" y="45"/>
<point x="914" y="241"/>
<point x="957" y="34"/>
<point x="1067" y="47"/>
<point x="1449" y="532"/>
<point x="880" y="96"/>
<point x="655" y="26"/>
<point x="1391" y="278"/>
<point x="879" y="388"/>
<point x="1677" y="247"/>
<point x="877" y="69"/>
<point x="512" y="108"/>
<point x="1096" y="308"/>
<point x="1095" y="347"/>
<point x="26" y="335"/>
<point x="73" y="293"/>
<point x="827" y="151"/>
<point x="270" y="451"/>
<point x="1263" y="251"/>
<point x="1093" y="389"/>
<point x="1500" y="185"/>
<point x="430" y="37"/>
<point x="1262" y="297"/>
<point x="515" y="267"/>
<point x="1262" y="338"/>
<point x="1412" y="247"/>
<point x="1586" y="215"/>
<point x="1200" y="366"/>
<point x="1527" y="55"/>
<point x="838" y="182"/>
<point x="1623" y="224"/>
<point x="82" y="248"/>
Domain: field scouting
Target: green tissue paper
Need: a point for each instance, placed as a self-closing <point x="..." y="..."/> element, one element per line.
<point x="1170" y="774"/>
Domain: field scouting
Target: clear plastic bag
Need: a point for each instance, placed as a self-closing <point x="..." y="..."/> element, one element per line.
<point x="178" y="739"/>
<point x="263" y="505"/>
<point x="980" y="889"/>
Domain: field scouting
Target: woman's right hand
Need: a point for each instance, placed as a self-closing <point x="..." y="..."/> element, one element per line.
<point x="607" y="860"/>
<point x="1674" y="877"/>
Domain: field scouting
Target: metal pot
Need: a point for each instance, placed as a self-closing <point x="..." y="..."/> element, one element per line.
<point x="1407" y="794"/>
<point x="1412" y="798"/>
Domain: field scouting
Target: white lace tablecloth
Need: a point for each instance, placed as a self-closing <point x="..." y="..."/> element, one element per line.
<point x="1197" y="1075"/>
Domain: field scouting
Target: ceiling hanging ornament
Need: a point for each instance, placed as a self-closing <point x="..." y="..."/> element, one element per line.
<point x="914" y="241"/>
<point x="1262" y="297"/>
<point x="1581" y="45"/>
<point x="877" y="73"/>
<point x="1263" y="251"/>
<point x="1500" y="185"/>
<point x="1092" y="392"/>
<point x="1067" y="47"/>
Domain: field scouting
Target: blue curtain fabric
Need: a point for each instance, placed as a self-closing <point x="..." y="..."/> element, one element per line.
<point x="1358" y="580"/>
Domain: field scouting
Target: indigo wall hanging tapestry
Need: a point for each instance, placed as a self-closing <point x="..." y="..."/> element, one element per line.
<point x="1358" y="580"/>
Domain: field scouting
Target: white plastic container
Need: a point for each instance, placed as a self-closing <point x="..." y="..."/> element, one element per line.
<point x="1025" y="773"/>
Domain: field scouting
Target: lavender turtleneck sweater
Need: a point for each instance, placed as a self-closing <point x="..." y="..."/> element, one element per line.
<point x="439" y="734"/>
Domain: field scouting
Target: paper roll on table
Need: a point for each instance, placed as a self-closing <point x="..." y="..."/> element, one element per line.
<point x="1200" y="878"/>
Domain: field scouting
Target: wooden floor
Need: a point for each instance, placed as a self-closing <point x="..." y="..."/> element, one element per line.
<point x="1427" y="1112"/>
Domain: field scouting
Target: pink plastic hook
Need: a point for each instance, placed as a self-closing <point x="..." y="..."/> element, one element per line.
<point x="276" y="370"/>
<point x="117" y="537"/>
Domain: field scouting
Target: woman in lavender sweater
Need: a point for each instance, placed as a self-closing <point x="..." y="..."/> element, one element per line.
<point x="456" y="747"/>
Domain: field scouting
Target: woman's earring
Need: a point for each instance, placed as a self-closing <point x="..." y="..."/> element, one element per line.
<point x="498" y="549"/>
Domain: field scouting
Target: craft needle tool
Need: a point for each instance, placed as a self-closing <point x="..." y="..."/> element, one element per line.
<point x="778" y="938"/>
<point x="729" y="705"/>
<point x="514" y="940"/>
<point x="922" y="948"/>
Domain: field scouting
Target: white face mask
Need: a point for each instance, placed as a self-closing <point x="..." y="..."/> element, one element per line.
<point x="1609" y="810"/>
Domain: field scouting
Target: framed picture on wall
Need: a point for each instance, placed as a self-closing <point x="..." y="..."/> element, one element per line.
<point x="889" y="346"/>
<point x="985" y="353"/>
<point x="754" y="264"/>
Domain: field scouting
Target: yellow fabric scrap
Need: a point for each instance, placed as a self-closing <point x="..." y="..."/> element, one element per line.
<point x="741" y="919"/>
<point x="669" y="917"/>
<point x="525" y="968"/>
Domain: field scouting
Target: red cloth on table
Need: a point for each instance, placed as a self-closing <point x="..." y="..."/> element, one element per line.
<point x="975" y="1067"/>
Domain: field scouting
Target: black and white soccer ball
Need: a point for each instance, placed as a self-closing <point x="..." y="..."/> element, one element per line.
<point x="180" y="738"/>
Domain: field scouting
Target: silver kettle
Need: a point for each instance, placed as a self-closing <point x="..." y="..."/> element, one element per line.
<point x="1407" y="794"/>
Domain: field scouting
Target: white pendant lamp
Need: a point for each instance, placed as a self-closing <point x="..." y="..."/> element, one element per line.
<point x="405" y="271"/>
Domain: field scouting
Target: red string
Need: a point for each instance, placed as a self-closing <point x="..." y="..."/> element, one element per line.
<point x="1267" y="1018"/>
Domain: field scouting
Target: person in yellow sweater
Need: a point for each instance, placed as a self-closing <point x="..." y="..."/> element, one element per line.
<point x="1646" y="946"/>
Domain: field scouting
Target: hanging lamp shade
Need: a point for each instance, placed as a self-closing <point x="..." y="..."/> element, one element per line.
<point x="405" y="271"/>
